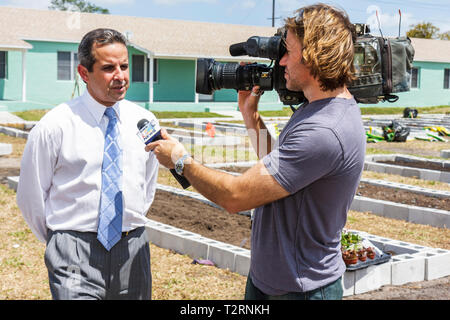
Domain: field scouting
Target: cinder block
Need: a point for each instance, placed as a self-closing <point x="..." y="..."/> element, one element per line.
<point x="222" y="255"/>
<point x="348" y="283"/>
<point x="242" y="263"/>
<point x="154" y="234"/>
<point x="13" y="182"/>
<point x="356" y="204"/>
<point x="376" y="167"/>
<point x="433" y="217"/>
<point x="445" y="177"/>
<point x="372" y="205"/>
<point x="430" y="175"/>
<point x="445" y="153"/>
<point x="407" y="268"/>
<point x="372" y="277"/>
<point x="396" y="211"/>
<point x="409" y="172"/>
<point x="391" y="169"/>
<point x="185" y="243"/>
<point x="5" y="149"/>
<point x="437" y="263"/>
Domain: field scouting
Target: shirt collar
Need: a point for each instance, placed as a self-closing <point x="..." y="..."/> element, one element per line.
<point x="96" y="109"/>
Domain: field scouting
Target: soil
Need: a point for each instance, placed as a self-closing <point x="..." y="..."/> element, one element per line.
<point x="418" y="164"/>
<point x="401" y="196"/>
<point x="198" y="217"/>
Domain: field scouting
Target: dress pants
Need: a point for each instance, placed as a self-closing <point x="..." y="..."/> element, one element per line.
<point x="79" y="267"/>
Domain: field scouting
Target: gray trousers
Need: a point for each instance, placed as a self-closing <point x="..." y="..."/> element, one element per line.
<point x="79" y="267"/>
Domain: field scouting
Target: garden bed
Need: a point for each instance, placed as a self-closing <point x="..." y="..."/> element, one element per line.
<point x="198" y="217"/>
<point x="418" y="164"/>
<point x="401" y="196"/>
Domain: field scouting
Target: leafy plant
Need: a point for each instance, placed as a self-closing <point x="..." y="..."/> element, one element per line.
<point x="351" y="241"/>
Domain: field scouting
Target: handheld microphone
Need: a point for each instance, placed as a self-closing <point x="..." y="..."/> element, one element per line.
<point x="149" y="132"/>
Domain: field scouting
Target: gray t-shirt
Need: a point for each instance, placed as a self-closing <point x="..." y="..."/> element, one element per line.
<point x="318" y="159"/>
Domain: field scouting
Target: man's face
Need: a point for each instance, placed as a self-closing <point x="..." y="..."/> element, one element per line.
<point x="296" y="73"/>
<point x="109" y="80"/>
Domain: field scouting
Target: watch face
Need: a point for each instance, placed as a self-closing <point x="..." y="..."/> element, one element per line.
<point x="179" y="167"/>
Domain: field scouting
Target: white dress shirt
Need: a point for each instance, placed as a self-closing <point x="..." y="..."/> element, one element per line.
<point x="60" y="174"/>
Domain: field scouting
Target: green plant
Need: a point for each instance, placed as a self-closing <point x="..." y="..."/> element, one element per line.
<point x="351" y="241"/>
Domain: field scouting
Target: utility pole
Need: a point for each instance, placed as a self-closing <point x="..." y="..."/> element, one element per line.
<point x="273" y="13"/>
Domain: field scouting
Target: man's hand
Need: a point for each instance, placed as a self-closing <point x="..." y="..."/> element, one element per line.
<point x="248" y="101"/>
<point x="168" y="150"/>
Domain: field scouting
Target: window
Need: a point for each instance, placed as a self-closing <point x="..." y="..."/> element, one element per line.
<point x="3" y="55"/>
<point x="446" y="78"/>
<point x="414" y="77"/>
<point x="138" y="70"/>
<point x="67" y="65"/>
<point x="141" y="68"/>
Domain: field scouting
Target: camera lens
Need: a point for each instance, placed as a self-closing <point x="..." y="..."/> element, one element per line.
<point x="213" y="75"/>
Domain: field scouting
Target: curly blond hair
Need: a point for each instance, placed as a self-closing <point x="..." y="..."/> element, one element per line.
<point x="327" y="37"/>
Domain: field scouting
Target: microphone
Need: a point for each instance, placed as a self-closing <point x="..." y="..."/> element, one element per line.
<point x="238" y="49"/>
<point x="149" y="132"/>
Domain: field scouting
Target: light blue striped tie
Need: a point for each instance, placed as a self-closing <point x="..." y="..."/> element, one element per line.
<point x="111" y="204"/>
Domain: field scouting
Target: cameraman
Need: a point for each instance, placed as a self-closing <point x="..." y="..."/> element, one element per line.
<point x="304" y="187"/>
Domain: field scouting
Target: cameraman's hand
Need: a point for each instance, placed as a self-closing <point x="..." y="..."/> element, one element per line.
<point x="167" y="150"/>
<point x="248" y="101"/>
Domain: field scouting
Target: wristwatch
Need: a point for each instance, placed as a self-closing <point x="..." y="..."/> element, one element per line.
<point x="179" y="165"/>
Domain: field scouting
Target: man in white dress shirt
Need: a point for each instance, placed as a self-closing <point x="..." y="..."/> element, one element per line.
<point x="61" y="179"/>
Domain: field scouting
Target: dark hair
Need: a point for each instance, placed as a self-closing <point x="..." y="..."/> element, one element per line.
<point x="101" y="37"/>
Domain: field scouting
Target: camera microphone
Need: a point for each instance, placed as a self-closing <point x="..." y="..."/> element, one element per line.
<point x="238" y="49"/>
<point x="149" y="132"/>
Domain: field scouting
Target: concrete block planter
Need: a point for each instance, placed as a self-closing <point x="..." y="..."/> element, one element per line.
<point x="428" y="216"/>
<point x="406" y="187"/>
<point x="371" y="164"/>
<point x="14" y="132"/>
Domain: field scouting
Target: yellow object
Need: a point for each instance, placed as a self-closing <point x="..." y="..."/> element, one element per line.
<point x="441" y="130"/>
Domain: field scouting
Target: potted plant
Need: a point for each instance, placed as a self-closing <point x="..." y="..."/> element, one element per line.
<point x="370" y="252"/>
<point x="362" y="254"/>
<point x="350" y="257"/>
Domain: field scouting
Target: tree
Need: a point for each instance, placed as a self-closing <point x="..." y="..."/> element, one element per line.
<point x="76" y="5"/>
<point x="445" y="36"/>
<point x="423" y="30"/>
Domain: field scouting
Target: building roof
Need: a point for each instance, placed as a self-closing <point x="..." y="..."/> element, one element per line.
<point x="162" y="37"/>
<point x="431" y="50"/>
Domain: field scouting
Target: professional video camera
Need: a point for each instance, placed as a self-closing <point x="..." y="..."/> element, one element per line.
<point x="383" y="66"/>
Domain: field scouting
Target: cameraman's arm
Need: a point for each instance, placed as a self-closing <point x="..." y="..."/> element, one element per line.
<point x="260" y="137"/>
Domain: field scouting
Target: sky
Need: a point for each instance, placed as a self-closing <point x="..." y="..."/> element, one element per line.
<point x="259" y="12"/>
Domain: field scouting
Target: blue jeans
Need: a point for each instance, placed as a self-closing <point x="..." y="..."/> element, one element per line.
<point x="332" y="291"/>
